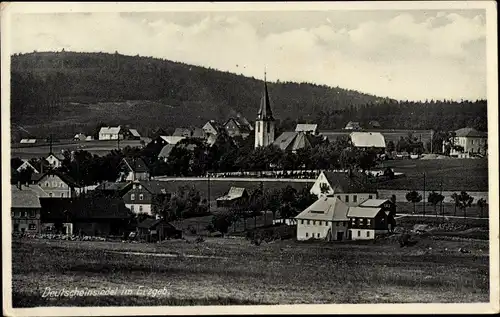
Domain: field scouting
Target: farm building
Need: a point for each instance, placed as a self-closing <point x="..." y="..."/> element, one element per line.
<point x="79" y="137"/>
<point x="111" y="133"/>
<point x="152" y="230"/>
<point x="55" y="184"/>
<point x="145" y="196"/>
<point x="25" y="210"/>
<point x="133" y="134"/>
<point x="132" y="168"/>
<point x="352" y="125"/>
<point x="234" y="196"/>
<point x="331" y="219"/>
<point x="368" y="140"/>
<point x="212" y="127"/>
<point x="55" y="161"/>
<point x="238" y="127"/>
<point x="293" y="141"/>
<point x="371" y="218"/>
<point x="351" y="189"/>
<point x="307" y="128"/>
<point x="326" y="219"/>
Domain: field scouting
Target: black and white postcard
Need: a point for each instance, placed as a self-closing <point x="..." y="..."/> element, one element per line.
<point x="249" y="158"/>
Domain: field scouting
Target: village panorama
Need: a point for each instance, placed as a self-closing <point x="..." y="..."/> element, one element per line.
<point x="138" y="181"/>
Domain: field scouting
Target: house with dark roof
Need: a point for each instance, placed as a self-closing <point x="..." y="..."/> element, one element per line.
<point x="56" y="184"/>
<point x="236" y="128"/>
<point x="351" y="188"/>
<point x="133" y="168"/>
<point x="374" y="124"/>
<point x="293" y="141"/>
<point x="469" y="141"/>
<point x="113" y="189"/>
<point x="133" y="134"/>
<point x="152" y="230"/>
<point x="212" y="127"/>
<point x="25" y="211"/>
<point x="330" y="218"/>
<point x="144" y="196"/>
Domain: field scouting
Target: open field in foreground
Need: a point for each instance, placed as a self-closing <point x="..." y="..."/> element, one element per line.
<point x="233" y="271"/>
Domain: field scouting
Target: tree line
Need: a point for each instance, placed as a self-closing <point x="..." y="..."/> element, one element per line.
<point x="43" y="85"/>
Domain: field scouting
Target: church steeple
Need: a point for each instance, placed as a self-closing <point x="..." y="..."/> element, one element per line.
<point x="264" y="125"/>
<point x="265" y="112"/>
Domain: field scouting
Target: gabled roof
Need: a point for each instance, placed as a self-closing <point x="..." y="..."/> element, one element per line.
<point x="113" y="186"/>
<point x="149" y="223"/>
<point x="353" y="124"/>
<point x="110" y="130"/>
<point x="213" y="124"/>
<point x="134" y="132"/>
<point x="234" y="193"/>
<point x="305" y="127"/>
<point x="374" y="124"/>
<point x="326" y="208"/>
<point x="184" y="132"/>
<point x="301" y="141"/>
<point x="470" y="132"/>
<point x="363" y="212"/>
<point x="265" y="112"/>
<point x="165" y="151"/>
<point x="27" y="164"/>
<point x="25" y="199"/>
<point x="374" y="202"/>
<point x="342" y="183"/>
<point x="155" y="187"/>
<point x="368" y="139"/>
<point x="136" y="164"/>
<point x="171" y="139"/>
<point x="64" y="177"/>
<point x="285" y="140"/>
<point x="57" y="156"/>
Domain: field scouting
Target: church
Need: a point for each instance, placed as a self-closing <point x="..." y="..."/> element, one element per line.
<point x="265" y="123"/>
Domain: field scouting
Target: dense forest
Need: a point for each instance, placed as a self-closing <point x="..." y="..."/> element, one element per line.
<point x="69" y="91"/>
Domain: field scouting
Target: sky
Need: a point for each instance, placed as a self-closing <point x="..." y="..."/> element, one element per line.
<point x="406" y="55"/>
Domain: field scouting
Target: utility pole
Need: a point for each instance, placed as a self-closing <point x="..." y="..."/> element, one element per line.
<point x="424" y="194"/>
<point x="441" y="207"/>
<point x="208" y="198"/>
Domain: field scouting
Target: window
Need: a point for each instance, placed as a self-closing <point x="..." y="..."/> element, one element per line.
<point x="326" y="223"/>
<point x="18" y="214"/>
<point x="361" y="221"/>
<point x="314" y="222"/>
<point x="62" y="195"/>
<point x="32" y="226"/>
<point x="307" y="234"/>
<point x="321" y="223"/>
<point x="368" y="234"/>
<point x="302" y="222"/>
<point x="346" y="198"/>
<point x="258" y="130"/>
<point x="355" y="198"/>
<point x="140" y="186"/>
<point x="32" y="213"/>
<point x="47" y="184"/>
<point x="359" y="233"/>
<point x="268" y="128"/>
<point x="141" y="197"/>
<point x="308" y="222"/>
<point x="318" y="235"/>
<point x="131" y="207"/>
<point x="140" y="208"/>
<point x="368" y="222"/>
<point x="132" y="196"/>
<point x="370" y="196"/>
<point x="353" y="221"/>
<point x="50" y="194"/>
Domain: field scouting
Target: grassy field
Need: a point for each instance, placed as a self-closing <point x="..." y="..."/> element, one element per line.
<point x="94" y="147"/>
<point x="448" y="210"/>
<point x="233" y="271"/>
<point x="456" y="174"/>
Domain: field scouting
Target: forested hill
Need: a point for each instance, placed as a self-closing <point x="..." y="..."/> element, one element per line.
<point x="80" y="87"/>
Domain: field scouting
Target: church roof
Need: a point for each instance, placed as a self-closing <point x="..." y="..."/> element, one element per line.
<point x="265" y="112"/>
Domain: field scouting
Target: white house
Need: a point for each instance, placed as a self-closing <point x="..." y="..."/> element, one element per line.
<point x="132" y="169"/>
<point x="368" y="140"/>
<point x="472" y="142"/>
<point x="110" y="133"/>
<point x="55" y="161"/>
<point x="326" y="219"/>
<point x="350" y="189"/>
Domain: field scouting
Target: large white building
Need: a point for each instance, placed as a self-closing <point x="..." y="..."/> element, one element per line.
<point x="350" y="189"/>
<point x="110" y="133"/>
<point x="264" y="125"/>
<point x="472" y="142"/>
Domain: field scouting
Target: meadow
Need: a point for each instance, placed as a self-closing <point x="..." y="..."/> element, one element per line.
<point x="221" y="271"/>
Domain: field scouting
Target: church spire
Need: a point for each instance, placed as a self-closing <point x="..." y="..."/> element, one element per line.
<point x="265" y="112"/>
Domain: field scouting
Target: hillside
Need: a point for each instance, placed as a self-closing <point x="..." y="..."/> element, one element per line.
<point x="69" y="92"/>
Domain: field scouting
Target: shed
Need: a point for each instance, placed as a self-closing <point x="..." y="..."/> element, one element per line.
<point x="153" y="230"/>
